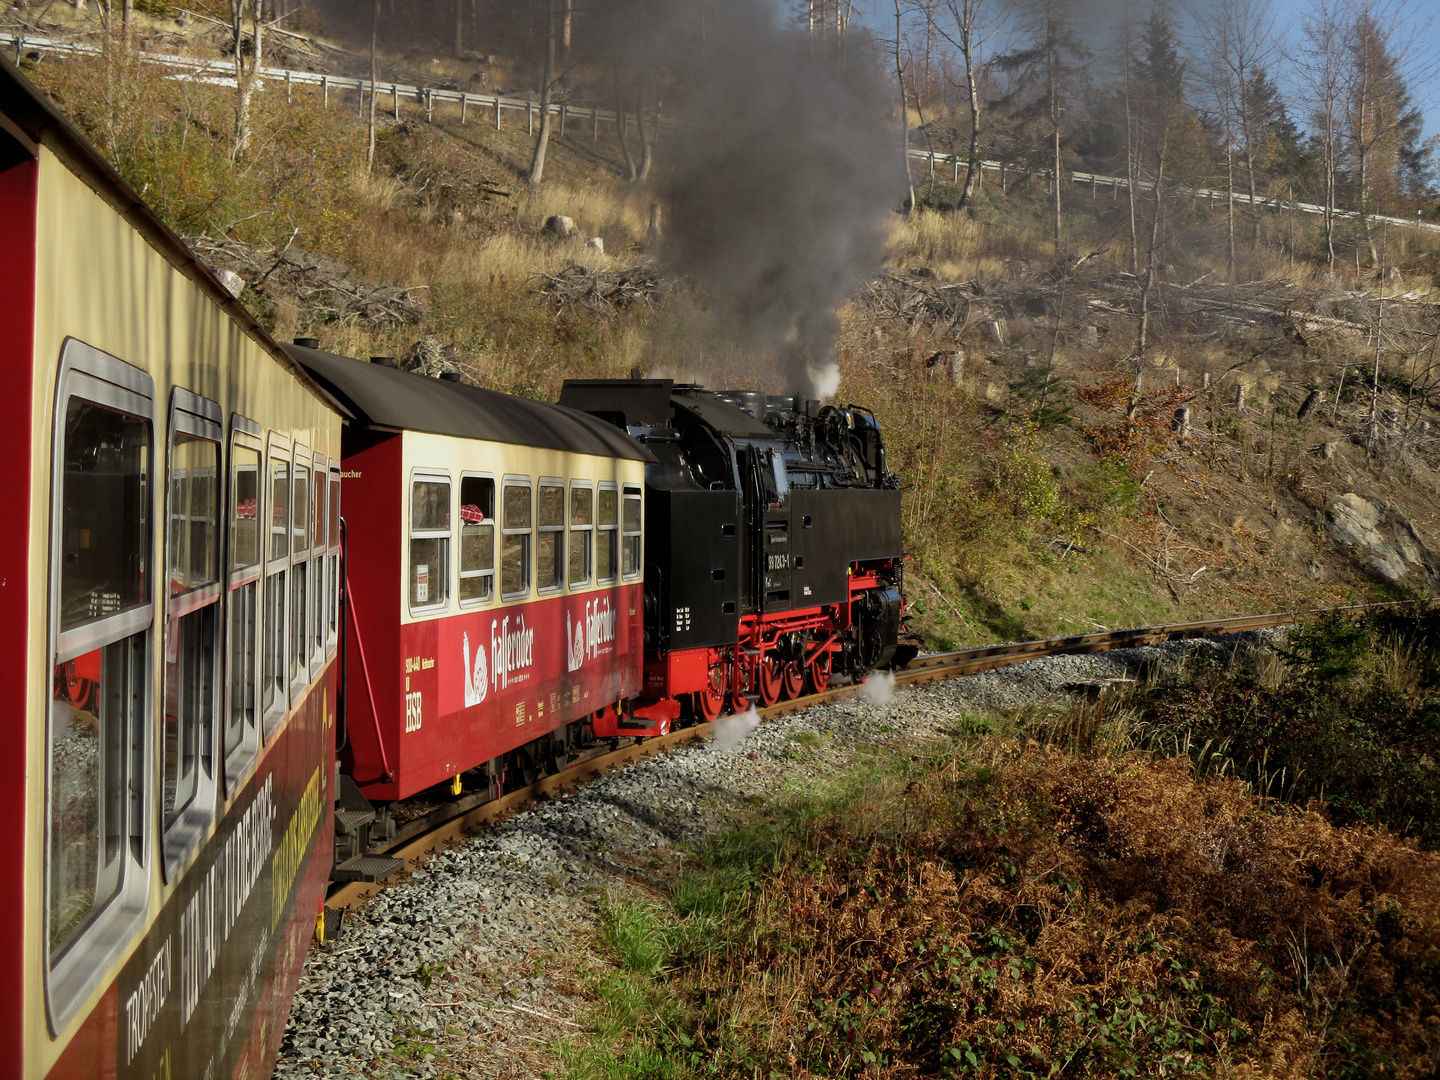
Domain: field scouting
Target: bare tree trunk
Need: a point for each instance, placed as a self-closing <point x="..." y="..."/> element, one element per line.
<point x="1053" y="62"/>
<point x="1144" y="335"/>
<point x="904" y="112"/>
<point x="459" y="29"/>
<point x="972" y="86"/>
<point x="1229" y="205"/>
<point x="370" y="126"/>
<point x="1130" y="171"/>
<point x="645" y="149"/>
<point x="537" y="163"/>
<point x="1375" y="376"/>
<point x="566" y="20"/>
<point x="620" y="125"/>
<point x="245" y="75"/>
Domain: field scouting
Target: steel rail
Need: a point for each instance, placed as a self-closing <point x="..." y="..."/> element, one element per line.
<point x="425" y="835"/>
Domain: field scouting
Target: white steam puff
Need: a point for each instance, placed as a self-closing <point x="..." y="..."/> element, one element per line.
<point x="824" y="380"/>
<point x="730" y="731"/>
<point x="880" y="688"/>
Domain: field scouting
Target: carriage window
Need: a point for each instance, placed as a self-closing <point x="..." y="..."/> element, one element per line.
<point x="333" y="604"/>
<point x="275" y="600"/>
<point x="100" y="694"/>
<point x="429" y="543"/>
<point x="318" y="619"/>
<point x="244" y="595"/>
<point x="515" y="540"/>
<point x="279" y="508"/>
<point x="607" y="537"/>
<point x="193" y="508"/>
<point x="582" y="533"/>
<point x="192" y="626"/>
<point x="477" y="538"/>
<point x="631" y="541"/>
<point x="550" y="541"/>
<point x="299" y="573"/>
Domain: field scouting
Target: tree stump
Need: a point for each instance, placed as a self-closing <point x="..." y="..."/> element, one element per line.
<point x="1312" y="399"/>
<point x="1182" y="422"/>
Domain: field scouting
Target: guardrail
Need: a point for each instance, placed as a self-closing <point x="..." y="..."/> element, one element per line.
<point x="424" y="96"/>
<point x="1115" y="183"/>
<point x="494" y="104"/>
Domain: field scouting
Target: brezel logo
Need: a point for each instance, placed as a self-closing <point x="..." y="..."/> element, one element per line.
<point x="476" y="684"/>
<point x="510" y="650"/>
<point x="576" y="641"/>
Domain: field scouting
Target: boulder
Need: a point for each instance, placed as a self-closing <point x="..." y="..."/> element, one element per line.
<point x="559" y="225"/>
<point x="1381" y="537"/>
<point x="233" y="282"/>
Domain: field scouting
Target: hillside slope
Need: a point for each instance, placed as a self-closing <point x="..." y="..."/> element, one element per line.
<point x="1049" y="490"/>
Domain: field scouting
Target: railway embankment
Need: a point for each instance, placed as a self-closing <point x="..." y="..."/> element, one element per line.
<point x="559" y="940"/>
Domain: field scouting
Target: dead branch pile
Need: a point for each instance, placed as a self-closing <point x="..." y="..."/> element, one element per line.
<point x="325" y="290"/>
<point x="601" y="290"/>
<point x="921" y="301"/>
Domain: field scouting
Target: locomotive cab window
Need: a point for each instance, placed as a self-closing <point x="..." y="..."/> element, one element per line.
<point x="550" y="536"/>
<point x="102" y="615"/>
<point x="192" y="626"/>
<point x="429" y="542"/>
<point x="300" y="574"/>
<point x="477" y="539"/>
<point x="245" y="503"/>
<point x="582" y="532"/>
<point x="515" y="539"/>
<point x="631" y="540"/>
<point x="607" y="533"/>
<point x="273" y="696"/>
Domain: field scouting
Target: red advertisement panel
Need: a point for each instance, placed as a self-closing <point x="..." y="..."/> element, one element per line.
<point x="478" y="684"/>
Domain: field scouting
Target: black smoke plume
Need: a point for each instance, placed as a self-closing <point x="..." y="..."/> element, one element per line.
<point x="781" y="178"/>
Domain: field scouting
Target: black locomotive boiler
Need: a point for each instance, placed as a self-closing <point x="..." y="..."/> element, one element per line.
<point x="774" y="554"/>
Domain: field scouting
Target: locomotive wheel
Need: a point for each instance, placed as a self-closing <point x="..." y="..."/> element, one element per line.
<point x="818" y="671"/>
<point x="710" y="702"/>
<point x="792" y="679"/>
<point x="743" y="694"/>
<point x="525" y="767"/>
<point x="771" y="680"/>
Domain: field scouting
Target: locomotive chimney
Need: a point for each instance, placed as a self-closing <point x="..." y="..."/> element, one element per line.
<point x="450" y="376"/>
<point x="383" y="361"/>
<point x="308" y="342"/>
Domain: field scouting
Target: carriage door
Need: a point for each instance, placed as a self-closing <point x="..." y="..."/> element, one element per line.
<point x="768" y="495"/>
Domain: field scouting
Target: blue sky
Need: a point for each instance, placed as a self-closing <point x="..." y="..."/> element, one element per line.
<point x="1422" y="32"/>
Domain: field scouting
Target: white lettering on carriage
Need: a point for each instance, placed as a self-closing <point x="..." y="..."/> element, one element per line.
<point x="221" y="895"/>
<point x="599" y="625"/>
<point x="145" y="1001"/>
<point x="511" y="651"/>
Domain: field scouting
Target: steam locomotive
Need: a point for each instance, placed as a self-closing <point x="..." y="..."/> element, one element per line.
<point x="773" y="540"/>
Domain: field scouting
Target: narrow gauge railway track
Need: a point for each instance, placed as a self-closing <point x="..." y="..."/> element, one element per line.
<point x="426" y="834"/>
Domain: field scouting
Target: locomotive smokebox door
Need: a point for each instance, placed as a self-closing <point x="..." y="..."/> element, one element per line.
<point x="767" y="495"/>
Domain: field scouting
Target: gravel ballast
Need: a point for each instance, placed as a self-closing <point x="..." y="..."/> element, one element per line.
<point x="468" y="966"/>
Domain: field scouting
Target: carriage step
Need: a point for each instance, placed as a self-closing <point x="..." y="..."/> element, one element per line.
<point x="367" y="868"/>
<point x="347" y="821"/>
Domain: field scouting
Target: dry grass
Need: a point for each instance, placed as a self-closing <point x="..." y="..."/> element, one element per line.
<point x="1027" y="913"/>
